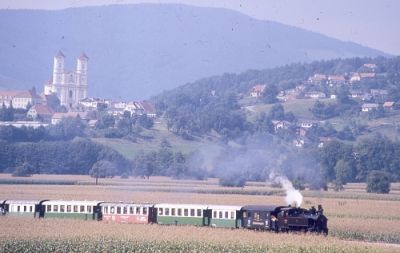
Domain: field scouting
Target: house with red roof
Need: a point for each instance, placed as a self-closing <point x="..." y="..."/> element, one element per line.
<point x="40" y="112"/>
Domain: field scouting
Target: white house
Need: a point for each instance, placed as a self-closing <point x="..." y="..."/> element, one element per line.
<point x="369" y="107"/>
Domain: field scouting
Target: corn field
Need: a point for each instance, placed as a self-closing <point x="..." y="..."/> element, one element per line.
<point x="358" y="221"/>
<point x="116" y="245"/>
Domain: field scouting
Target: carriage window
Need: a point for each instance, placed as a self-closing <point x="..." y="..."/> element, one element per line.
<point x="199" y="212"/>
<point x="232" y="215"/>
<point x="75" y="209"/>
<point x="105" y="209"/>
<point x="144" y="210"/>
<point x="179" y="212"/>
<point x="131" y="210"/>
<point x="191" y="212"/>
<point x="55" y="208"/>
<point x="226" y="215"/>
<point x="215" y="214"/>
<point x="18" y="209"/>
<point x="31" y="209"/>
<point x="160" y="211"/>
<point x="166" y="211"/>
<point x="220" y="215"/>
<point x="89" y="209"/>
<point x="24" y="208"/>
<point x="48" y="208"/>
<point x="68" y="209"/>
<point x="112" y="209"/>
<point x="173" y="211"/>
<point x="82" y="209"/>
<point x="62" y="208"/>
<point x="125" y="210"/>
<point x="185" y="212"/>
<point x="118" y="210"/>
<point x="256" y="216"/>
<point x="137" y="210"/>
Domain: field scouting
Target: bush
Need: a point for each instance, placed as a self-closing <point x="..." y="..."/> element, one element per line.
<point x="232" y="180"/>
<point x="24" y="170"/>
<point x="378" y="182"/>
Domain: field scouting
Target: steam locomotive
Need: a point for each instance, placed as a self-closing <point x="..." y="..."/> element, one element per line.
<point x="257" y="217"/>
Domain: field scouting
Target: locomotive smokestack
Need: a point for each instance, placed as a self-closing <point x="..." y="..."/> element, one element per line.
<point x="293" y="196"/>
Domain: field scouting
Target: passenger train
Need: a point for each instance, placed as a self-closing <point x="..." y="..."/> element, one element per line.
<point x="258" y="217"/>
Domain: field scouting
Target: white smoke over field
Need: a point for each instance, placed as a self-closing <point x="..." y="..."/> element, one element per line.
<point x="293" y="196"/>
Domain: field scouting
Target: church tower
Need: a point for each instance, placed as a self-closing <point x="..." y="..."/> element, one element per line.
<point x="58" y="67"/>
<point x="81" y="78"/>
<point x="69" y="86"/>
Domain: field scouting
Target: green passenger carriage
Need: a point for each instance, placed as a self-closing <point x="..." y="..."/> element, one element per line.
<point x="226" y="216"/>
<point x="183" y="214"/>
<point x="28" y="208"/>
<point x="84" y="210"/>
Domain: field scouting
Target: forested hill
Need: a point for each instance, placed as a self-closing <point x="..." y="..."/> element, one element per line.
<point x="283" y="77"/>
<point x="219" y="103"/>
<point x="138" y="50"/>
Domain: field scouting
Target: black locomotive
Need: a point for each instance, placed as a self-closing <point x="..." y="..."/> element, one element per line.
<point x="284" y="218"/>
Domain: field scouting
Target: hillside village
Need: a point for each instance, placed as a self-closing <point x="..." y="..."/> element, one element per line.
<point x="320" y="86"/>
<point x="65" y="95"/>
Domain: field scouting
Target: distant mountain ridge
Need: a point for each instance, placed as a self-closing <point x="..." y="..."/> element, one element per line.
<point x="136" y="51"/>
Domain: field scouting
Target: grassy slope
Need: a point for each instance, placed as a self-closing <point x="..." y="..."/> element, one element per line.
<point x="300" y="107"/>
<point x="152" y="141"/>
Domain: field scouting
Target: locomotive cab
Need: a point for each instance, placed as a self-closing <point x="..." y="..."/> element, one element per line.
<point x="260" y="217"/>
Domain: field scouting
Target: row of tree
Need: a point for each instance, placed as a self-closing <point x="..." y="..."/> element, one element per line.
<point x="59" y="157"/>
<point x="343" y="162"/>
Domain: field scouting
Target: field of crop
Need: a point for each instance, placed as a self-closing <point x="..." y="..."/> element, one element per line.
<point x="358" y="221"/>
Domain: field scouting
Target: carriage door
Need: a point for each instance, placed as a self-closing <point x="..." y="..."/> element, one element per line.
<point x="39" y="211"/>
<point x="207" y="217"/>
<point x="152" y="215"/>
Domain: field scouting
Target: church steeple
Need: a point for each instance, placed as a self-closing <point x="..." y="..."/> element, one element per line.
<point x="81" y="67"/>
<point x="58" y="67"/>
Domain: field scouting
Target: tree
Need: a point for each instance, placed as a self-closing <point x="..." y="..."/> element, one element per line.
<point x="344" y="173"/>
<point x="145" y="121"/>
<point x="105" y="121"/>
<point x="378" y="182"/>
<point x="269" y="94"/>
<point x="277" y="112"/>
<point x="23" y="170"/>
<point x="145" y="164"/>
<point x="103" y="169"/>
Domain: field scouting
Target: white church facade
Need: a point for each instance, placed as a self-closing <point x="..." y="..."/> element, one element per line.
<point x="69" y="86"/>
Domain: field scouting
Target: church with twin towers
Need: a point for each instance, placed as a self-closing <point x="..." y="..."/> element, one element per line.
<point x="69" y="86"/>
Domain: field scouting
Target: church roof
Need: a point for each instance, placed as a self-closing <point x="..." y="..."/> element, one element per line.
<point x="42" y="109"/>
<point x="83" y="56"/>
<point x="60" y="54"/>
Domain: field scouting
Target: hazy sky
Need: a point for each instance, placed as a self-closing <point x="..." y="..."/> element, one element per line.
<point x="372" y="23"/>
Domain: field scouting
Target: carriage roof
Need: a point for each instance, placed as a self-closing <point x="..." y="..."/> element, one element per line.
<point x="126" y="204"/>
<point x="196" y="206"/>
<point x="23" y="202"/>
<point x="72" y="202"/>
<point x="224" y="207"/>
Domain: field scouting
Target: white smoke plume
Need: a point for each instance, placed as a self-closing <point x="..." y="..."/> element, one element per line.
<point x="293" y="196"/>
